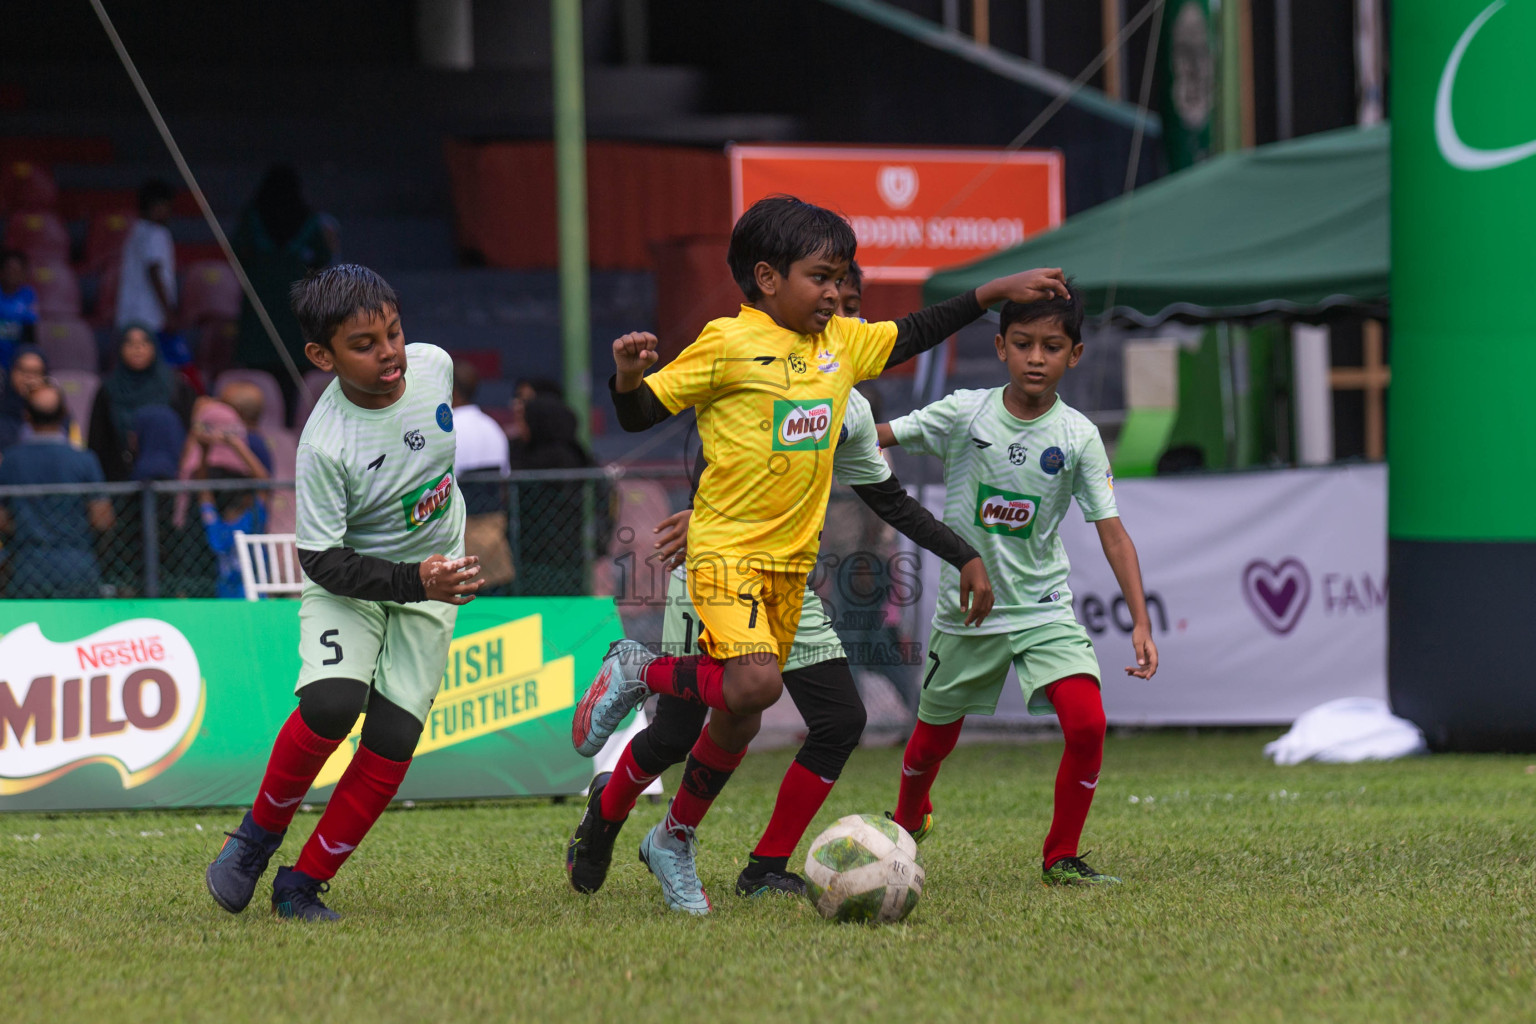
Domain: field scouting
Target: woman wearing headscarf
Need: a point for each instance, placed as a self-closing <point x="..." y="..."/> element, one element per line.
<point x="280" y="238"/>
<point x="139" y="379"/>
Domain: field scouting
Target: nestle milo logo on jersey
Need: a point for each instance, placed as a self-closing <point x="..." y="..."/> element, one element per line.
<point x="803" y="425"/>
<point x="1004" y="512"/>
<point x="427" y="502"/>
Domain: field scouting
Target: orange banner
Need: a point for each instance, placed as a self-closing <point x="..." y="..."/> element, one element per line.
<point x="914" y="210"/>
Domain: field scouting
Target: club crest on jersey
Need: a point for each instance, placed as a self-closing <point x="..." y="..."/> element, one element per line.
<point x="445" y="417"/>
<point x="802" y="425"/>
<point x="414" y="441"/>
<point x="797" y="362"/>
<point x="826" y="362"/>
<point x="1004" y="512"/>
<point x="427" y="502"/>
<point x="1052" y="460"/>
<point x="1017" y="453"/>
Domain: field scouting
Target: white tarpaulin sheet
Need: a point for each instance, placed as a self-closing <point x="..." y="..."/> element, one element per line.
<point x="1267" y="593"/>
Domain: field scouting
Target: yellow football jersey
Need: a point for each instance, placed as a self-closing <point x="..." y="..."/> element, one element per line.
<point x="770" y="405"/>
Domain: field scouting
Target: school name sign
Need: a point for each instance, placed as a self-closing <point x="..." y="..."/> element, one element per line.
<point x="914" y="211"/>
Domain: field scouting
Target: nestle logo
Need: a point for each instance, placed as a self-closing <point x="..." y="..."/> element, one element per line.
<point x="112" y="653"/>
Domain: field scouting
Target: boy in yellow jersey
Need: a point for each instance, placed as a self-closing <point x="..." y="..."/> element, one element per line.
<point x="770" y="387"/>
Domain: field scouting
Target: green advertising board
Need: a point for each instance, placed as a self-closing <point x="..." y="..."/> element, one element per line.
<point x="1463" y="274"/>
<point x="116" y="704"/>
<point x="1461" y="528"/>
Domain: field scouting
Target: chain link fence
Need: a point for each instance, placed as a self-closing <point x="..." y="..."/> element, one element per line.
<point x="553" y="533"/>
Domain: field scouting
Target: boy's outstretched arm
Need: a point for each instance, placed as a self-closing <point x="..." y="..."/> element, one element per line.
<point x="892" y="503"/>
<point x="921" y="331"/>
<point x="636" y="404"/>
<point x="1121" y="554"/>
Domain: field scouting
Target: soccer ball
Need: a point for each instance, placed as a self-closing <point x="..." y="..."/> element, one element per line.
<point x="864" y="868"/>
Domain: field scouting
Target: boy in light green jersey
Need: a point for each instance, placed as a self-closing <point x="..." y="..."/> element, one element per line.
<point x="1014" y="457"/>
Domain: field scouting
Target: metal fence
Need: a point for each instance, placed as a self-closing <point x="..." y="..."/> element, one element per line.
<point x="548" y="533"/>
<point x="540" y="533"/>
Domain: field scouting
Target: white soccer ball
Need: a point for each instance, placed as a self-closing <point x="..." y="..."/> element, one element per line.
<point x="864" y="868"/>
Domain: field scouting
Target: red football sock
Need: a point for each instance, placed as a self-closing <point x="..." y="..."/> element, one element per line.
<point x="926" y="751"/>
<point x="698" y="678"/>
<point x="801" y="795"/>
<point x="366" y="788"/>
<point x="297" y="757"/>
<point x="625" y="787"/>
<point x="1081" y="710"/>
<point x="708" y="769"/>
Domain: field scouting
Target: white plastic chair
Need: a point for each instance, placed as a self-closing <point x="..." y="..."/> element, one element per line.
<point x="269" y="564"/>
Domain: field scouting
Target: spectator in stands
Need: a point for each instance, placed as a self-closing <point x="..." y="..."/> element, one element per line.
<point x="28" y="372"/>
<point x="280" y="238"/>
<point x="482" y="444"/>
<point x="249" y="402"/>
<point x="146" y="290"/>
<point x="226" y="512"/>
<point x="140" y="378"/>
<point x="551" y="513"/>
<point x="18" y="306"/>
<point x="528" y="388"/>
<point x="52" y="550"/>
<point x="158" y="439"/>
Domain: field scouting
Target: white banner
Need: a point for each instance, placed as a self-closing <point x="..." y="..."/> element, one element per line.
<point x="1267" y="593"/>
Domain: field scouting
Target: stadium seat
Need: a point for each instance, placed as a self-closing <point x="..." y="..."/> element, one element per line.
<point x="67" y="344"/>
<point x="104" y="309"/>
<point x="40" y="234"/>
<point x="104" y="238"/>
<point x="213" y="346"/>
<point x="209" y="291"/>
<point x="79" y="387"/>
<point x="639" y="506"/>
<point x="269" y="564"/>
<point x="58" y="293"/>
<point x="25" y="185"/>
<point x="316" y="381"/>
<point x="272" y="408"/>
<point x="282" y="511"/>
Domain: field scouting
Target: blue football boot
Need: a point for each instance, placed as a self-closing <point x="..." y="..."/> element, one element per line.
<point x="233" y="875"/>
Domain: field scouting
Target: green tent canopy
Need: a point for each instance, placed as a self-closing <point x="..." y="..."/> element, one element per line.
<point x="1295" y="229"/>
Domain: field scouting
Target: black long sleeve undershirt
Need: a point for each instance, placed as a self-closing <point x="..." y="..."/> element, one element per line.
<point x="640" y="409"/>
<point x="346" y="573"/>
<point x="921" y="331"/>
<point x="637" y="410"/>
<point x="892" y="503"/>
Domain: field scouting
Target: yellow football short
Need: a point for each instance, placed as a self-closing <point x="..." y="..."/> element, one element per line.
<point x="745" y="609"/>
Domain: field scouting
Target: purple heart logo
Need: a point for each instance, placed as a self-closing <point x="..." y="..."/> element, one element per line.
<point x="1277" y="593"/>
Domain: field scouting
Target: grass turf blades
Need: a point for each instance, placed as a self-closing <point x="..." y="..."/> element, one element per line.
<point x="1384" y="892"/>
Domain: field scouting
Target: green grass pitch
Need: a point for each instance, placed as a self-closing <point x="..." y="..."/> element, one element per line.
<point x="1387" y="892"/>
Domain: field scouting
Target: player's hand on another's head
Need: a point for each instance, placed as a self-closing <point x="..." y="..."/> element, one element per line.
<point x="1146" y="653"/>
<point x="635" y="352"/>
<point x="451" y="580"/>
<point x="975" y="592"/>
<point x="1028" y="286"/>
<point x="672" y="538"/>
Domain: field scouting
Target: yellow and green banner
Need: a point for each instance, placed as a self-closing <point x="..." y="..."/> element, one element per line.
<point x="117" y="704"/>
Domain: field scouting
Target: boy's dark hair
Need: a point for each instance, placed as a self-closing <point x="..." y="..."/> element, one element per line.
<point x="778" y="231"/>
<point x="45" y="407"/>
<point x="1069" y="311"/>
<point x="325" y="299"/>
<point x="155" y="190"/>
<point x="855" y="277"/>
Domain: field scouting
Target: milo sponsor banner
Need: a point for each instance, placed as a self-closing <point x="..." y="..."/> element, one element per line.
<point x="1005" y="512"/>
<point x="1267" y="594"/>
<point x="112" y="704"/>
<point x="803" y="425"/>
